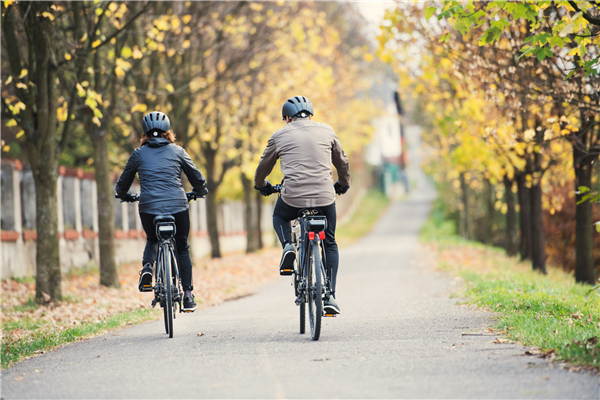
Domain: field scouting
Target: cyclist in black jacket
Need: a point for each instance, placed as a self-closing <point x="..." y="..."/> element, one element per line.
<point x="159" y="163"/>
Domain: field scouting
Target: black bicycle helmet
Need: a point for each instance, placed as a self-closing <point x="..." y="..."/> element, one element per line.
<point x="155" y="122"/>
<point x="297" y="105"/>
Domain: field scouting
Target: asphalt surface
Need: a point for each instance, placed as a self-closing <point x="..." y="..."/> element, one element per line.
<point x="400" y="335"/>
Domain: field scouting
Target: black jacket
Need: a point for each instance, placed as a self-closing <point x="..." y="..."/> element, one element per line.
<point x="159" y="164"/>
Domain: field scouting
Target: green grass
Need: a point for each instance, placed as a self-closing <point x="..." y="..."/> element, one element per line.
<point x="47" y="339"/>
<point x="372" y="206"/>
<point x="550" y="312"/>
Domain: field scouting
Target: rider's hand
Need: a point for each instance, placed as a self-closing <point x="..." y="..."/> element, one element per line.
<point x="128" y="197"/>
<point x="201" y="193"/>
<point x="267" y="190"/>
<point x="339" y="189"/>
<point x="193" y="195"/>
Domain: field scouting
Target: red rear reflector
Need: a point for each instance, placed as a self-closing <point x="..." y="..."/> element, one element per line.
<point x="311" y="236"/>
<point x="321" y="235"/>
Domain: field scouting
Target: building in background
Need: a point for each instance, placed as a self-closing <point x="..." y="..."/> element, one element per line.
<point x="386" y="151"/>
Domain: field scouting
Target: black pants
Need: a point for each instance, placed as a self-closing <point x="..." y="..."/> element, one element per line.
<point x="182" y="224"/>
<point x="284" y="214"/>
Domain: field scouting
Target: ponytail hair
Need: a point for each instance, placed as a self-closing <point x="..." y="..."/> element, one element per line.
<point x="169" y="135"/>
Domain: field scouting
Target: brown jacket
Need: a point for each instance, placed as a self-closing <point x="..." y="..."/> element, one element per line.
<point x="306" y="149"/>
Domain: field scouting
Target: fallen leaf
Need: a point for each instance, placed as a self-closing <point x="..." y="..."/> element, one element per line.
<point x="201" y="334"/>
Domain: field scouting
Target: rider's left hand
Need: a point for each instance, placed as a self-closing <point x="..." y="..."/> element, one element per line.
<point x="267" y="190"/>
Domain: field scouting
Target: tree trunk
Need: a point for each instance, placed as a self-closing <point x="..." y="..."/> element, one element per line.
<point x="250" y="215"/>
<point x="584" y="239"/>
<point x="538" y="250"/>
<point x="211" y="221"/>
<point x="259" y="232"/>
<point x="466" y="225"/>
<point x="524" y="217"/>
<point x="490" y="199"/>
<point x="511" y="218"/>
<point x="48" y="274"/>
<point x="585" y="151"/>
<point x="106" y="216"/>
<point x="42" y="149"/>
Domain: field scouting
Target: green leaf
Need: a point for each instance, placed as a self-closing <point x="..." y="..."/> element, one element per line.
<point x="584" y="198"/>
<point x="429" y="12"/>
<point x="556" y="41"/>
<point x="597" y="226"/>
<point x="583" y="189"/>
<point x="570" y="74"/>
<point x="541" y="55"/>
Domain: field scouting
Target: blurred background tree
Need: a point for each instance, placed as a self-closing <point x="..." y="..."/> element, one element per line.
<point x="508" y="93"/>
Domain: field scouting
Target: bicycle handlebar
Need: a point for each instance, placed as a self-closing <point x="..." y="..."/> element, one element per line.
<point x="136" y="197"/>
<point x="130" y="199"/>
<point x="193" y="196"/>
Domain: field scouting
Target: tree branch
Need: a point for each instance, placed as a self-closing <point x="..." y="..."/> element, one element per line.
<point x="588" y="17"/>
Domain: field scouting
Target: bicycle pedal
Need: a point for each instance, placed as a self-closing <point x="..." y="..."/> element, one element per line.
<point x="331" y="315"/>
<point x="285" y="272"/>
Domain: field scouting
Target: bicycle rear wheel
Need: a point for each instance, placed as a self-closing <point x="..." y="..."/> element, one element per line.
<point x="168" y="313"/>
<point x="315" y="292"/>
<point x="302" y="306"/>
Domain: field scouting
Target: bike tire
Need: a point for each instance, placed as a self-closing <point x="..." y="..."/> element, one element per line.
<point x="302" y="317"/>
<point x="315" y="292"/>
<point x="302" y="306"/>
<point x="168" y="292"/>
<point x="176" y="283"/>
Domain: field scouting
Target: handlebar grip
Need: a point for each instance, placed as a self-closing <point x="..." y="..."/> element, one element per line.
<point x="194" y="196"/>
<point x="132" y="198"/>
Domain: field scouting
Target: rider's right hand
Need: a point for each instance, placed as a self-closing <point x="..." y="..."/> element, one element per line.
<point x="129" y="197"/>
<point x="265" y="191"/>
<point x="339" y="189"/>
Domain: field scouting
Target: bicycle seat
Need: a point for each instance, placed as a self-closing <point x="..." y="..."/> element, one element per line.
<point x="161" y="219"/>
<point x="309" y="212"/>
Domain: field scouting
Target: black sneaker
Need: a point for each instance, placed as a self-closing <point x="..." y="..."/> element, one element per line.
<point x="330" y="306"/>
<point x="189" y="305"/>
<point x="286" y="266"/>
<point x="145" y="284"/>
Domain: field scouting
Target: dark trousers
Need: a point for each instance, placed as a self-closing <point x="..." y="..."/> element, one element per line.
<point x="284" y="214"/>
<point x="182" y="224"/>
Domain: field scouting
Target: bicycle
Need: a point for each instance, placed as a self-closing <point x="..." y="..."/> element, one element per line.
<point x="166" y="274"/>
<point x="310" y="281"/>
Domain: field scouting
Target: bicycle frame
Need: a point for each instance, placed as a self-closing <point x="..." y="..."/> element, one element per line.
<point x="305" y="252"/>
<point x="166" y="247"/>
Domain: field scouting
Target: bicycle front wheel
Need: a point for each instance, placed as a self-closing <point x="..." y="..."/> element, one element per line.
<point x="315" y="292"/>
<point x="168" y="313"/>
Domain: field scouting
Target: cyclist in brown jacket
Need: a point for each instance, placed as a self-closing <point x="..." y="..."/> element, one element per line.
<point x="306" y="150"/>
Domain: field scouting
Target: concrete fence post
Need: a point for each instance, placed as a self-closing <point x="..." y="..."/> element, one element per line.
<point x="16" y="180"/>
<point x="226" y="217"/>
<point x="59" y="206"/>
<point x="94" y="206"/>
<point x="77" y="204"/>
<point x="125" y="217"/>
<point x="202" y="216"/>
<point x="194" y="216"/>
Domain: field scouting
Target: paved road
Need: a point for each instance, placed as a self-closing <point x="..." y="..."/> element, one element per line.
<point x="400" y="336"/>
